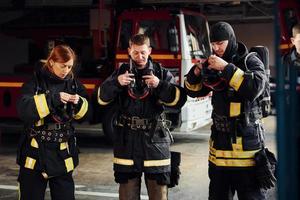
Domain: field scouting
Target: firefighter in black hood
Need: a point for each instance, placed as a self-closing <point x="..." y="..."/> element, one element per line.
<point x="237" y="132"/>
<point x="141" y="89"/>
<point x="47" y="152"/>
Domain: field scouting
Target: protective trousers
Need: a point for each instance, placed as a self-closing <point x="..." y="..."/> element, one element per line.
<point x="32" y="186"/>
<point x="224" y="183"/>
<point x="131" y="190"/>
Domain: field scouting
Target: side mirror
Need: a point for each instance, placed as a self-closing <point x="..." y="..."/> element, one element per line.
<point x="173" y="39"/>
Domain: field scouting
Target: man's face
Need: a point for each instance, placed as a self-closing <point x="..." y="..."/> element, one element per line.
<point x="139" y="54"/>
<point x="219" y="47"/>
<point x="296" y="41"/>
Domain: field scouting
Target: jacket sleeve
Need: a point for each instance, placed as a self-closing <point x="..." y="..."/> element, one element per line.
<point x="82" y="108"/>
<point x="193" y="85"/>
<point x="32" y="107"/>
<point x="169" y="94"/>
<point x="109" y="89"/>
<point x="248" y="84"/>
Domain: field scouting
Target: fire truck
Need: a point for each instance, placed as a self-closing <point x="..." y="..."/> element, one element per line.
<point x="179" y="39"/>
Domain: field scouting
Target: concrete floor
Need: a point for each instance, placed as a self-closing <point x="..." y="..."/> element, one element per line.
<point x="94" y="175"/>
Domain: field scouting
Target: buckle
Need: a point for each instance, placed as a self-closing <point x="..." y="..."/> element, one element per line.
<point x="138" y="123"/>
<point x="57" y="126"/>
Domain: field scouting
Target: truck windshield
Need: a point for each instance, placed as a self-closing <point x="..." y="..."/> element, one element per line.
<point x="197" y="36"/>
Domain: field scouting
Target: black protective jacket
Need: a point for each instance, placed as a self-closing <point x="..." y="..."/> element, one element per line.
<point x="142" y="150"/>
<point x="43" y="113"/>
<point x="236" y="130"/>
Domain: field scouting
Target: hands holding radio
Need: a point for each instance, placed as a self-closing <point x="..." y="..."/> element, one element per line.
<point x="151" y="80"/>
<point x="66" y="97"/>
<point x="125" y="79"/>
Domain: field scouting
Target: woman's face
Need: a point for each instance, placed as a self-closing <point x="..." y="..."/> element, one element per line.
<point x="62" y="69"/>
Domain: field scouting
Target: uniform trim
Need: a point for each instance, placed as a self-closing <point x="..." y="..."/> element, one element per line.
<point x="63" y="145"/>
<point x="69" y="164"/>
<point x="39" y="123"/>
<point x="192" y="87"/>
<point x="157" y="163"/>
<point x="121" y="161"/>
<point x="231" y="162"/>
<point x="232" y="154"/>
<point x="100" y="101"/>
<point x="235" y="158"/>
<point x="83" y="109"/>
<point x="34" y="143"/>
<point x="235" y="109"/>
<point x="237" y="79"/>
<point x="41" y="105"/>
<point x="173" y="103"/>
<point x="30" y="163"/>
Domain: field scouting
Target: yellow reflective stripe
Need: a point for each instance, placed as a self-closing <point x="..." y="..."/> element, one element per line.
<point x="157" y="163"/>
<point x="39" y="123"/>
<point x="194" y="88"/>
<point x="232" y="162"/>
<point x="83" y="109"/>
<point x="34" y="143"/>
<point x="237" y="147"/>
<point x="237" y="79"/>
<point x="100" y="101"/>
<point x="235" y="109"/>
<point x="239" y="140"/>
<point x="121" y="161"/>
<point x="63" y="145"/>
<point x="173" y="103"/>
<point x="41" y="105"/>
<point x="29" y="163"/>
<point x="69" y="164"/>
<point x="232" y="154"/>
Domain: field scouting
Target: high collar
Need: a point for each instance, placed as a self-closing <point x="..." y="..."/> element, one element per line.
<point x="52" y="77"/>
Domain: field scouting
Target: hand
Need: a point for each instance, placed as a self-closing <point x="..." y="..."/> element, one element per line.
<point x="125" y="79"/>
<point x="197" y="69"/>
<point x="66" y="97"/>
<point x="151" y="80"/>
<point x="216" y="63"/>
<point x="74" y="99"/>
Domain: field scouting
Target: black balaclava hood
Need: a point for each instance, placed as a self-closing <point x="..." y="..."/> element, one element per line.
<point x="223" y="31"/>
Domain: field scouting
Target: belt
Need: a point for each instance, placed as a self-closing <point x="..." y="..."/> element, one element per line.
<point x="55" y="126"/>
<point x="51" y="135"/>
<point x="134" y="122"/>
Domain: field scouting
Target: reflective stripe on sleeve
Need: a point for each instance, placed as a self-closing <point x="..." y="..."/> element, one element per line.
<point x="100" y="101"/>
<point x="194" y="88"/>
<point x="83" y="109"/>
<point x="173" y="103"/>
<point x="41" y="105"/>
<point x="237" y="79"/>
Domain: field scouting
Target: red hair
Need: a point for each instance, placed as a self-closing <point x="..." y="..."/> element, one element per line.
<point x="60" y="54"/>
